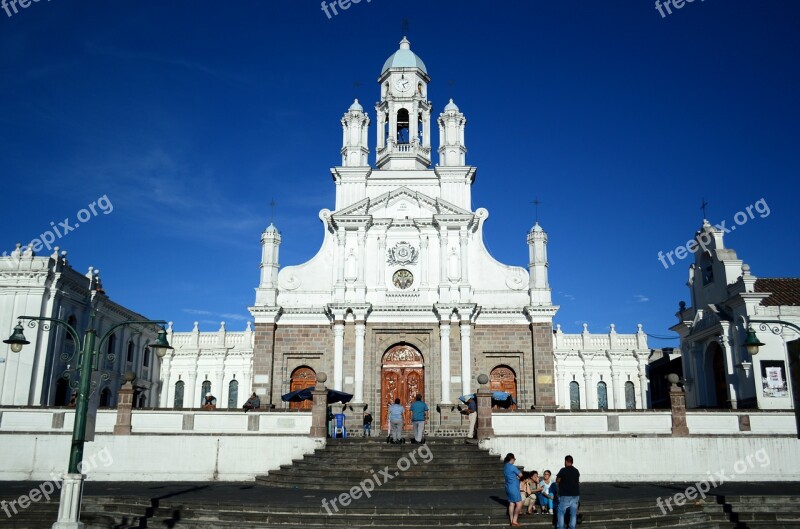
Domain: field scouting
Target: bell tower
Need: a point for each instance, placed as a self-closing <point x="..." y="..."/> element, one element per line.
<point x="404" y="112"/>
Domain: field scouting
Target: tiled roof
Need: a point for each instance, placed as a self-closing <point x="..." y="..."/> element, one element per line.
<point x="785" y="290"/>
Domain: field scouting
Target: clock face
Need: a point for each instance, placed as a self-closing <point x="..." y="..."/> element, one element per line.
<point x="403" y="279"/>
<point x="402" y="84"/>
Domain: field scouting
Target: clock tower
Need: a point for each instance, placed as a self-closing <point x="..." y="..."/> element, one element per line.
<point x="404" y="112"/>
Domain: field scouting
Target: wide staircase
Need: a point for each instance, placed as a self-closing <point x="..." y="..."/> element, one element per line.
<point x="359" y="483"/>
<point x="441" y="464"/>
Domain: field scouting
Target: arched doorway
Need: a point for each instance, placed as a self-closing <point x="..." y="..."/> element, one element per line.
<point x="503" y="378"/>
<point x="720" y="389"/>
<point x="303" y="377"/>
<point x="402" y="377"/>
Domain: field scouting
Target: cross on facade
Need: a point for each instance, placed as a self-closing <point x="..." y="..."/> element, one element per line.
<point x="272" y="211"/>
<point x="536" y="203"/>
<point x="703" y="206"/>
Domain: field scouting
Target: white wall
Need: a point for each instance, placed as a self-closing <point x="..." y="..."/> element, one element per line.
<point x="657" y="459"/>
<point x="179" y="446"/>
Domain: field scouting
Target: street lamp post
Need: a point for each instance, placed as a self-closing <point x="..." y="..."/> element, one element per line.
<point x="72" y="487"/>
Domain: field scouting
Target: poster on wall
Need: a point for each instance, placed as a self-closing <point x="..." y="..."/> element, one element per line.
<point x="773" y="378"/>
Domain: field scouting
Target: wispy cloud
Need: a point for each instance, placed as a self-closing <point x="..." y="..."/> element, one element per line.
<point x="641" y="298"/>
<point x="223" y="316"/>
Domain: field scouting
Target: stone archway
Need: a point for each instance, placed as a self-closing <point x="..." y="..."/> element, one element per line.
<point x="303" y="377"/>
<point x="720" y="384"/>
<point x="403" y="377"/>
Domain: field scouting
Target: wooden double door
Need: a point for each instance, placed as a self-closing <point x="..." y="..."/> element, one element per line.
<point x="402" y="377"/>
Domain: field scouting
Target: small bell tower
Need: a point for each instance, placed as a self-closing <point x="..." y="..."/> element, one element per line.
<point x="539" y="286"/>
<point x="452" y="152"/>
<point x="404" y="112"/>
<point x="355" y="128"/>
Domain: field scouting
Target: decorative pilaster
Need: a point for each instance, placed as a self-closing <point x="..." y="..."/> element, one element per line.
<point x="464" y="245"/>
<point x="677" y="400"/>
<point x="444" y="340"/>
<point x="361" y="330"/>
<point x="319" y="409"/>
<point x="466" y="355"/>
<point x="338" y="354"/>
<point x="485" y="429"/>
<point x="69" y="507"/>
<point x="124" y="409"/>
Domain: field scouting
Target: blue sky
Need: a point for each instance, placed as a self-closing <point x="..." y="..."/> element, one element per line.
<point x="192" y="116"/>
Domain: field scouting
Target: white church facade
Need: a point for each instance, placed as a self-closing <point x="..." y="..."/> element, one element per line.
<point x="403" y="296"/>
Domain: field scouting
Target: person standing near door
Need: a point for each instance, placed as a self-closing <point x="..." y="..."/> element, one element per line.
<point x="419" y="413"/>
<point x="396" y="412"/>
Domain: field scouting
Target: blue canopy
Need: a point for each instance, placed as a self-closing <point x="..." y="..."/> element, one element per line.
<point x="305" y="394"/>
<point x="498" y="397"/>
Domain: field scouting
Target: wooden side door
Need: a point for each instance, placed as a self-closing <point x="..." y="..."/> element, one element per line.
<point x="503" y="379"/>
<point x="302" y="378"/>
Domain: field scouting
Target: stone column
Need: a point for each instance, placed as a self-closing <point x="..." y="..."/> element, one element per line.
<point x="589" y="391"/>
<point x="124" y="409"/>
<point x="361" y="330"/>
<point x="166" y="383"/>
<point x="69" y="507"/>
<point x="677" y="400"/>
<point x="485" y="429"/>
<point x="444" y="340"/>
<point x="466" y="356"/>
<point x="222" y="392"/>
<point x="338" y="354"/>
<point x="319" y="409"/>
<point x="615" y="392"/>
<point x="463" y="242"/>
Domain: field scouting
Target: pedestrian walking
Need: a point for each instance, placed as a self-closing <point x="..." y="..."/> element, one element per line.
<point x="396" y="412"/>
<point x="569" y="494"/>
<point x="419" y="413"/>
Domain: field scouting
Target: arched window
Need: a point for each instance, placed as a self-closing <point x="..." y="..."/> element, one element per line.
<point x="73" y="322"/>
<point x="63" y="392"/>
<point x="233" y="394"/>
<point x="630" y="396"/>
<point x="105" y="398"/>
<point x="574" y="396"/>
<point x="146" y="357"/>
<point x="602" y="395"/>
<point x="111" y="344"/>
<point x="129" y="357"/>
<point x="402" y="126"/>
<point x="179" y="385"/>
<point x="205" y="390"/>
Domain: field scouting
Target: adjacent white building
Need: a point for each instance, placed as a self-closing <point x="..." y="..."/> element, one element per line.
<point x="43" y="372"/>
<point x="727" y="300"/>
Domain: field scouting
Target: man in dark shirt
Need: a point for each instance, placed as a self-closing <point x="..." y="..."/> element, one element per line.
<point x="568" y="479"/>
